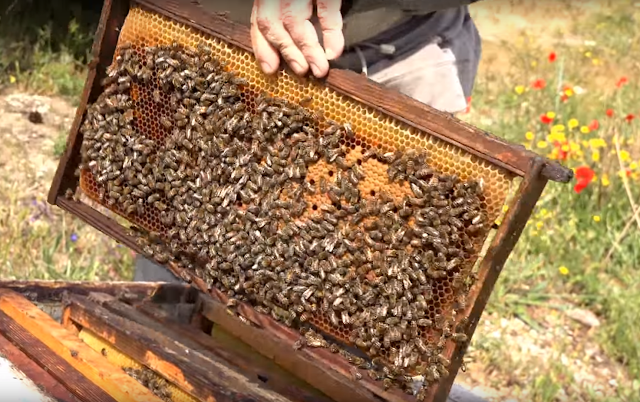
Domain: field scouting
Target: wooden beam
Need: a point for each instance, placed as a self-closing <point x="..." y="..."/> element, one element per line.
<point x="206" y="379"/>
<point x="65" y="344"/>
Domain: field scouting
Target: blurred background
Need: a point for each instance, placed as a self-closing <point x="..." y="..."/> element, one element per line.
<point x="558" y="77"/>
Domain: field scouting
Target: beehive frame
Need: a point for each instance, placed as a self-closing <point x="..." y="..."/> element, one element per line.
<point x="456" y="136"/>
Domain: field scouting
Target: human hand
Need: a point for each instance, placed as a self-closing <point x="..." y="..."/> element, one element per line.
<point x="284" y="27"/>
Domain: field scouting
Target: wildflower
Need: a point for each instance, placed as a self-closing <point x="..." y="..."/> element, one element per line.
<point x="585" y="130"/>
<point x="73" y="237"/>
<point x="596" y="218"/>
<point x="609" y="112"/>
<point x="563" y="270"/>
<point x="594" y="125"/>
<point x="584" y="176"/>
<point x="548" y="117"/>
<point x="568" y="91"/>
<point x="621" y="82"/>
<point x="561" y="150"/>
<point x="542" y="144"/>
<point x="595" y="155"/>
<point x="12" y="79"/>
<point x="633" y="165"/>
<point x="595" y="61"/>
<point x="629" y="117"/>
<point x="519" y="89"/>
<point x="529" y="136"/>
<point x="573" y="123"/>
<point x="624" y="155"/>
<point x="588" y="54"/>
<point x="595" y="143"/>
<point x="552" y="57"/>
<point x="605" y="180"/>
<point x="539" y="225"/>
<point x="539" y="84"/>
<point x="468" y="109"/>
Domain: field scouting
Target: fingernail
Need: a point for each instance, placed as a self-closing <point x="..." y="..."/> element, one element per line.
<point x="296" y="67"/>
<point x="266" y="67"/>
<point x="314" y="69"/>
<point x="330" y="54"/>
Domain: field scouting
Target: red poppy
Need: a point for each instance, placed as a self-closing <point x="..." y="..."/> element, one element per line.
<point x="629" y="117"/>
<point x="609" y="112"/>
<point x="594" y="125"/>
<point x="546" y="119"/>
<point x="564" y="97"/>
<point x="539" y="84"/>
<point x="584" y="176"/>
<point x="468" y="109"/>
<point x="562" y="154"/>
<point x="622" y="81"/>
<point x="552" y="57"/>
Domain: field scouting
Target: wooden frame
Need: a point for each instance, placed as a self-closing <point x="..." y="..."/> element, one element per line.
<point x="534" y="170"/>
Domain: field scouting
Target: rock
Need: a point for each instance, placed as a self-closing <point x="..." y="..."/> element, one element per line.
<point x="584" y="317"/>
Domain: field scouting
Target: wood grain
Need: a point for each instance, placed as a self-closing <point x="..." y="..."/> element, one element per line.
<point x="43" y="378"/>
<point x="203" y="377"/>
<point x="64" y="343"/>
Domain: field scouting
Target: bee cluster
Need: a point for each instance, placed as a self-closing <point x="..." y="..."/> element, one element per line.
<point x="228" y="182"/>
<point x="150" y="380"/>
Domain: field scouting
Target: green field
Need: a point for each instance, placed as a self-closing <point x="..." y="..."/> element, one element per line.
<point x="563" y="322"/>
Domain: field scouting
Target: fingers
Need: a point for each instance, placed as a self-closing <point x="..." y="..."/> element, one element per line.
<point x="268" y="21"/>
<point x="283" y="26"/>
<point x="295" y="19"/>
<point x="265" y="53"/>
<point x="331" y="24"/>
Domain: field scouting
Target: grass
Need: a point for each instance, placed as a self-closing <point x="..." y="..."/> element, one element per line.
<point x="571" y="255"/>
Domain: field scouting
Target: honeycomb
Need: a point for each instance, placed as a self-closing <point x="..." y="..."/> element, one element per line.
<point x="143" y="28"/>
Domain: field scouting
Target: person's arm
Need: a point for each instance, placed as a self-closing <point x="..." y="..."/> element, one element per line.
<point x="283" y="27"/>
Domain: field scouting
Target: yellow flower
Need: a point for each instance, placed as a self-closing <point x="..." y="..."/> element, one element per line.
<point x="557" y="128"/>
<point x="539" y="225"/>
<point x="556" y="136"/>
<point x="624" y="155"/>
<point x="595" y="61"/>
<point x="519" y="89"/>
<point x="595" y="155"/>
<point x="596" y="218"/>
<point x="563" y="270"/>
<point x="633" y="165"/>
<point x="565" y="148"/>
<point x="573" y="123"/>
<point x="534" y="63"/>
<point x="605" y="180"/>
<point x="551" y="115"/>
<point x="542" y="144"/>
<point x="12" y="79"/>
<point x="544" y="212"/>
<point x="588" y="54"/>
<point x="568" y="92"/>
<point x="529" y="136"/>
<point x="595" y="143"/>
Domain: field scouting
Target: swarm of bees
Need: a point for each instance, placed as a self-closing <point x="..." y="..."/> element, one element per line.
<point x="230" y="185"/>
